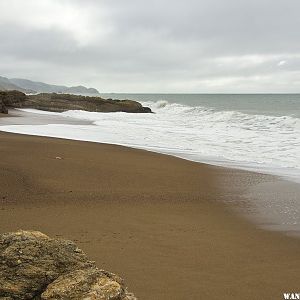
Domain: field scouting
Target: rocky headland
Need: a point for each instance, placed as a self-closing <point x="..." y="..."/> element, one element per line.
<point x="62" y="102"/>
<point x="35" y="266"/>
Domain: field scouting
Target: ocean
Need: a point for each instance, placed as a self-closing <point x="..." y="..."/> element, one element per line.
<point x="257" y="132"/>
<point x="266" y="104"/>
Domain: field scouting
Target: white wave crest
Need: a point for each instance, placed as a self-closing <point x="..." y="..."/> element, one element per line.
<point x="258" y="142"/>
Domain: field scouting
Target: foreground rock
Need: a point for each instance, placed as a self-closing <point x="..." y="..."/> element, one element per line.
<point x="34" y="266"/>
<point x="63" y="102"/>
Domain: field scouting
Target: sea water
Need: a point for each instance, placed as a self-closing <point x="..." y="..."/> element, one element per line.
<point x="253" y="132"/>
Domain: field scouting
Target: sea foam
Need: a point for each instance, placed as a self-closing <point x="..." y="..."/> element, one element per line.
<point x="263" y="143"/>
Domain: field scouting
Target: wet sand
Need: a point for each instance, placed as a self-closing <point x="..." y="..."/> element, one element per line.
<point x="157" y="221"/>
<point x="21" y="117"/>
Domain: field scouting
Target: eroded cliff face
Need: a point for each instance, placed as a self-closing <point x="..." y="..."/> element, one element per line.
<point x="63" y="102"/>
<point x="35" y="266"/>
<point x="11" y="99"/>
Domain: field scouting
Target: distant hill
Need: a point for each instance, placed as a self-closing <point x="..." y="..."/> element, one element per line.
<point x="7" y="85"/>
<point x="29" y="86"/>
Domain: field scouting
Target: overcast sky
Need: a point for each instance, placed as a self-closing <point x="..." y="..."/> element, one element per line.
<point x="190" y="46"/>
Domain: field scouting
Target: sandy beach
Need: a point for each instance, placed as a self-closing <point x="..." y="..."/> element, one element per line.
<point x="158" y="221"/>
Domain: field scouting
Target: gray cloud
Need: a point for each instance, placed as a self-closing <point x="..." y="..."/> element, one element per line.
<point x="154" y="46"/>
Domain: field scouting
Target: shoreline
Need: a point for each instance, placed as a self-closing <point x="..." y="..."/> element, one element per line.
<point x="276" y="211"/>
<point x="53" y="120"/>
<point x="158" y="221"/>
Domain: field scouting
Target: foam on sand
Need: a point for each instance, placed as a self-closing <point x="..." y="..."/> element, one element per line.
<point x="268" y="144"/>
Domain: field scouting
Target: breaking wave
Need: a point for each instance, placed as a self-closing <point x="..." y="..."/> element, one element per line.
<point x="265" y="143"/>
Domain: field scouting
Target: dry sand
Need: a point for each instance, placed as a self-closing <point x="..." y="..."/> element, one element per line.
<point x="155" y="220"/>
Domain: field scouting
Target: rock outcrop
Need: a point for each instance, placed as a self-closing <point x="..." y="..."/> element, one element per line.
<point x="63" y="102"/>
<point x="35" y="266"/>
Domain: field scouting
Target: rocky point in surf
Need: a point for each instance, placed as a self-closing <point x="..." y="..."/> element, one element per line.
<point x="35" y="266"/>
<point x="62" y="102"/>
